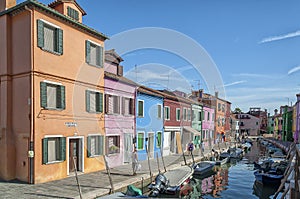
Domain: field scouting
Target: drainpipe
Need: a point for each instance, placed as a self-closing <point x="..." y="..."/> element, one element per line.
<point x="31" y="104"/>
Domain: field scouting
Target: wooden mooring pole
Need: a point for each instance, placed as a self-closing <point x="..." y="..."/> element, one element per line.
<point x="162" y="159"/>
<point x="76" y="176"/>
<point x="147" y="151"/>
<point x="112" y="190"/>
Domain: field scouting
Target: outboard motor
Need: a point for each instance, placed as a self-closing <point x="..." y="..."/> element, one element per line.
<point x="160" y="185"/>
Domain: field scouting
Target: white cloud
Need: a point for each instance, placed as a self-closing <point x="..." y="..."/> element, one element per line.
<point x="235" y="83"/>
<point x="280" y="37"/>
<point x="293" y="70"/>
<point x="254" y="75"/>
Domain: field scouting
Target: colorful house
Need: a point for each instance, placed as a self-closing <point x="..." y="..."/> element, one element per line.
<point x="119" y="111"/>
<point x="177" y="123"/>
<point x="149" y="123"/>
<point x="287" y="118"/>
<point x="208" y="126"/>
<point x="52" y="85"/>
<point x="296" y="137"/>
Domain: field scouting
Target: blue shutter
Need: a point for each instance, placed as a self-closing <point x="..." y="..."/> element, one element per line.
<point x="45" y="150"/>
<point x="43" y="94"/>
<point x="87" y="51"/>
<point x="40" y="33"/>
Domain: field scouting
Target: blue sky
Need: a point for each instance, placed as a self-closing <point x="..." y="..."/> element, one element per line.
<point x="254" y="44"/>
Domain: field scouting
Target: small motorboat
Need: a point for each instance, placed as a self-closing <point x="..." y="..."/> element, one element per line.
<point x="222" y="161"/>
<point x="269" y="178"/>
<point x="203" y="167"/>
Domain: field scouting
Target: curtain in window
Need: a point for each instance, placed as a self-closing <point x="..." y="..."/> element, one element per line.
<point x="52" y="150"/>
<point x="51" y="96"/>
<point x="49" y="38"/>
<point x="93" y="55"/>
<point x="92" y="102"/>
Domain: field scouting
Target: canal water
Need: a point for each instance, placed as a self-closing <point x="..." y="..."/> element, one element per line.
<point x="234" y="180"/>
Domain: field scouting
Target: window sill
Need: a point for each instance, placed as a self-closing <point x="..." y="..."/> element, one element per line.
<point x="94" y="65"/>
<point x="94" y="112"/>
<point x="54" y="162"/>
<point x="52" y="52"/>
<point x="53" y="109"/>
<point x="94" y="156"/>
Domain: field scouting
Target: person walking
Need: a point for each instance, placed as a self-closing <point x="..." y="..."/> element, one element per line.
<point x="190" y="147"/>
<point x="135" y="163"/>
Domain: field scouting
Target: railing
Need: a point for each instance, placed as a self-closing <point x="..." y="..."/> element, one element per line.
<point x="290" y="182"/>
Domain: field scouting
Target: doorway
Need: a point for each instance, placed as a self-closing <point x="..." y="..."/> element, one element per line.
<point x="151" y="144"/>
<point x="75" y="156"/>
<point x="128" y="147"/>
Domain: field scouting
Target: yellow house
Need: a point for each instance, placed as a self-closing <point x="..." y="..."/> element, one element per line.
<point x="51" y="91"/>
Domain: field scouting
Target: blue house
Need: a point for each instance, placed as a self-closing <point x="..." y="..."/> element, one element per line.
<point x="149" y="123"/>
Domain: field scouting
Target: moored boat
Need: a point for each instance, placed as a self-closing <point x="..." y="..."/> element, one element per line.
<point x="203" y="167"/>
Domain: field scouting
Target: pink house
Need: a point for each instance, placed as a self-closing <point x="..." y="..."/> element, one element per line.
<point x="208" y="126"/>
<point x="119" y="111"/>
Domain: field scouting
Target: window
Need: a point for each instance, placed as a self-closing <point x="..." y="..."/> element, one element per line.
<point x="189" y="114"/>
<point x="127" y="106"/>
<point x="159" y="114"/>
<point x="167" y="113"/>
<point x="193" y="115"/>
<point x="219" y="107"/>
<point x="140" y="108"/>
<point x="50" y="37"/>
<point x="223" y="108"/>
<point x="95" y="145"/>
<point x="94" y="101"/>
<point x="208" y="118"/>
<point x="184" y="114"/>
<point x="177" y="114"/>
<point x="73" y="13"/>
<point x="52" y="95"/>
<point x="54" y="149"/>
<point x="112" y="104"/>
<point x="199" y="116"/>
<point x="159" y="140"/>
<point x="140" y="141"/>
<point x="113" y="144"/>
<point x="94" y="54"/>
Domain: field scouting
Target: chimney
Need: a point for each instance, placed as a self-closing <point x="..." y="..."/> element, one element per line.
<point x="200" y="93"/>
<point x="276" y="111"/>
<point x="298" y="97"/>
<point x="216" y="94"/>
<point x="6" y="4"/>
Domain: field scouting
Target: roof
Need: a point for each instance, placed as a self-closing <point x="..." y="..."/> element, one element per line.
<point x="119" y="78"/>
<point x="149" y="91"/>
<point x="112" y="56"/>
<point x="46" y="8"/>
<point x="57" y="2"/>
<point x="172" y="96"/>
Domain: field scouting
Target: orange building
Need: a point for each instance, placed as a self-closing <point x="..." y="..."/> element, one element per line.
<point x="51" y="91"/>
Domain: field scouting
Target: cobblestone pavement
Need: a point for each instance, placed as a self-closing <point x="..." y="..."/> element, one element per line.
<point x="97" y="183"/>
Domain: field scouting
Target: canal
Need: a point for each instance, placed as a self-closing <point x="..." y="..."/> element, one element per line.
<point x="234" y="180"/>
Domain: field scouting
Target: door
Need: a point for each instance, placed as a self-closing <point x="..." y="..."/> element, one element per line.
<point x="73" y="155"/>
<point x="128" y="147"/>
<point x="151" y="144"/>
<point x="173" y="142"/>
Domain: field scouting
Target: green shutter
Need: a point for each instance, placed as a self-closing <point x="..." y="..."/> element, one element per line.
<point x="101" y="144"/>
<point x="101" y="56"/>
<point x="45" y="150"/>
<point x="43" y="94"/>
<point x="60" y="97"/>
<point x="99" y="102"/>
<point x="62" y="148"/>
<point x="89" y="146"/>
<point x="40" y="33"/>
<point x="87" y="100"/>
<point x="59" y="41"/>
<point x="87" y="51"/>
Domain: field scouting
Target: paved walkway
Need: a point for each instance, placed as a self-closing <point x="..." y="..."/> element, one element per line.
<point x="97" y="183"/>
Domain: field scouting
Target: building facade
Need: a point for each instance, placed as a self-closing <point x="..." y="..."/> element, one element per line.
<point x="208" y="126"/>
<point x="149" y="123"/>
<point x="51" y="69"/>
<point x="119" y="111"/>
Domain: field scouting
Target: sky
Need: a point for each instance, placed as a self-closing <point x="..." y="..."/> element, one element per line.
<point x="248" y="51"/>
